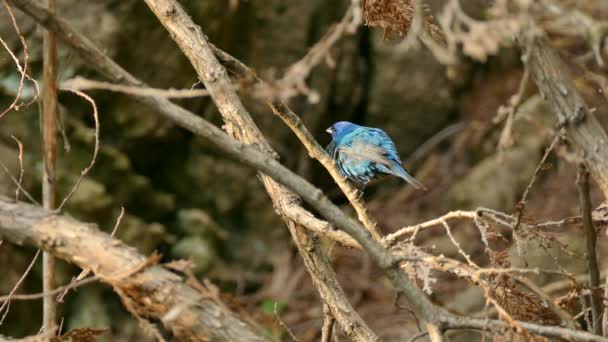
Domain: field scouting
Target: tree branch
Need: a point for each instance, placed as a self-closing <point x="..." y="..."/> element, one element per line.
<point x="192" y="314"/>
<point x="556" y="86"/>
<point x="49" y="146"/>
<point x="591" y="240"/>
<point x="316" y="151"/>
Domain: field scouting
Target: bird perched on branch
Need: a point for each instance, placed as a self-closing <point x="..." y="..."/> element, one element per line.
<point x="363" y="152"/>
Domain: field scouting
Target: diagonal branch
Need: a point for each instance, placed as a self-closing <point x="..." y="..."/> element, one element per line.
<point x="196" y="314"/>
<point x="316" y="151"/>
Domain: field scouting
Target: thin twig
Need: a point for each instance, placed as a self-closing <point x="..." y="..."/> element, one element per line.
<point x="605" y="315"/>
<point x="392" y="238"/>
<point x="435" y="140"/>
<point x="519" y="208"/>
<point x="34" y="296"/>
<point x="7" y="302"/>
<point x="20" y="145"/>
<point x="457" y="245"/>
<point x="80" y="83"/>
<point x="418" y="335"/>
<point x="86" y="170"/>
<point x="509" y="111"/>
<point x="591" y="243"/>
<point x="22" y="70"/>
<point x="18" y="184"/>
<point x="278" y="317"/>
<point x="294" y="80"/>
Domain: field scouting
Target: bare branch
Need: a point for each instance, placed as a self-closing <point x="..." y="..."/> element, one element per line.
<point x="34" y="296"/>
<point x="328" y="324"/>
<point x="21" y="170"/>
<point x="557" y="87"/>
<point x="86" y="272"/>
<point x="80" y="83"/>
<point x="86" y="170"/>
<point x="7" y="302"/>
<point x="294" y="80"/>
<point x="278" y="317"/>
<point x="591" y="242"/>
<point x="314" y="149"/>
<point x="23" y="70"/>
<point x="153" y="289"/>
<point x="50" y="110"/>
<point x="390" y="239"/>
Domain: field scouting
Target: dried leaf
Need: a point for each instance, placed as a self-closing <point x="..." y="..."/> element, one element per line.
<point x="395" y="17"/>
<point x="81" y="335"/>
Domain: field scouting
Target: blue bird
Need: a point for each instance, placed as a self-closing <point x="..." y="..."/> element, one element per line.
<point x="363" y="152"/>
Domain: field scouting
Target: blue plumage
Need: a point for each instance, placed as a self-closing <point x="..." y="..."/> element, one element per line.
<point x="363" y="152"/>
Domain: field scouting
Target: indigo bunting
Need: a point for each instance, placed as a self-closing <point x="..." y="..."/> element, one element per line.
<point x="363" y="152"/>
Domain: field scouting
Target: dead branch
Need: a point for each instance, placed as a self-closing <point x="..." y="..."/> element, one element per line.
<point x="81" y="83"/>
<point x="521" y="205"/>
<point x="23" y="70"/>
<point x="493" y="325"/>
<point x="390" y="239"/>
<point x="87" y="169"/>
<point x="591" y="242"/>
<point x="294" y="80"/>
<point x="49" y="114"/>
<point x="86" y="272"/>
<point x="278" y="317"/>
<point x="328" y="324"/>
<point x="572" y="113"/>
<point x="21" y="170"/>
<point x="59" y="290"/>
<point x="6" y="303"/>
<point x="316" y="151"/>
<point x="154" y="290"/>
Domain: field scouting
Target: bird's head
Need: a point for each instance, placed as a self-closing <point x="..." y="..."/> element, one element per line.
<point x="340" y="129"/>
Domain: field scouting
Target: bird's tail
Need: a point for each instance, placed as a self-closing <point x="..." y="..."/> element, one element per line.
<point x="400" y="171"/>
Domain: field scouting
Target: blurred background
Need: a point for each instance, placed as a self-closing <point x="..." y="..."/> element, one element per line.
<point x="185" y="199"/>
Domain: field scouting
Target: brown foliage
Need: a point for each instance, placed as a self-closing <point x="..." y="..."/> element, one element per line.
<point x="395" y="17"/>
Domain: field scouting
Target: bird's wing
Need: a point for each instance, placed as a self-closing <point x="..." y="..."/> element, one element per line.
<point x="366" y="151"/>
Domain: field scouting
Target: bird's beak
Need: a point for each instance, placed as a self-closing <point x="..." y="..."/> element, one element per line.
<point x="328" y="130"/>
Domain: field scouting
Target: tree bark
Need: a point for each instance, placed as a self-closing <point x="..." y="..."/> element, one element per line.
<point x="190" y="313"/>
<point x="49" y="179"/>
<point x="556" y="86"/>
